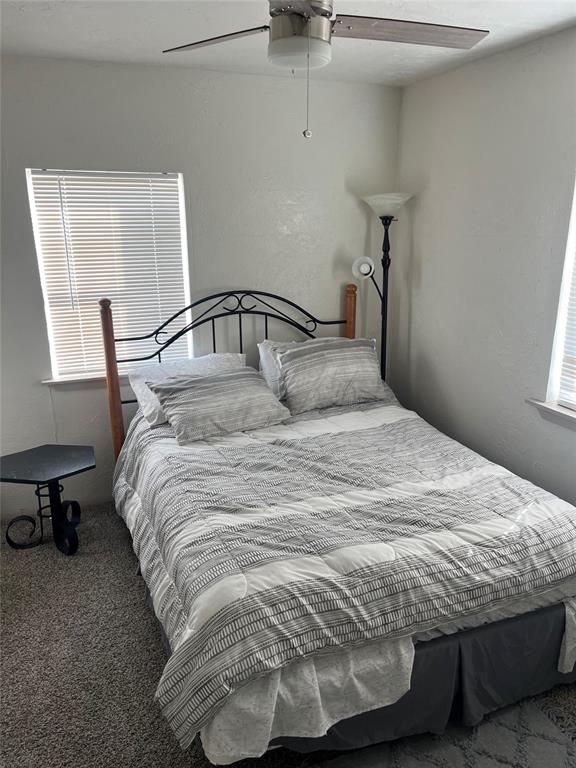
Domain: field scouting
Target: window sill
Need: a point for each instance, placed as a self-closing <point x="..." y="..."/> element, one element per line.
<point x="555" y="412"/>
<point x="80" y="380"/>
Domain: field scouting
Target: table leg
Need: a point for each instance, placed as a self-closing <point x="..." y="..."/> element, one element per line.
<point x="25" y="544"/>
<point x="63" y="527"/>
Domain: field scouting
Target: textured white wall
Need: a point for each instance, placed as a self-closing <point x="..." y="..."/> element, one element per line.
<point x="265" y="208"/>
<point x="489" y="150"/>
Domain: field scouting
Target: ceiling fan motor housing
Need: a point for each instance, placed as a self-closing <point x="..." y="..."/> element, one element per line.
<point x="292" y="34"/>
<point x="301" y="7"/>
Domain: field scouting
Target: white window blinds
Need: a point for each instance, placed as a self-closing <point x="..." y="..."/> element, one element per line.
<point x="567" y="317"/>
<point x="562" y="381"/>
<point x="115" y="235"/>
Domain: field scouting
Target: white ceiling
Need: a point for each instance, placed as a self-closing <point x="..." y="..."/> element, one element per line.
<point x="135" y="31"/>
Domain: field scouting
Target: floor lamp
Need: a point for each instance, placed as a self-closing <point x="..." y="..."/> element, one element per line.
<point x="385" y="206"/>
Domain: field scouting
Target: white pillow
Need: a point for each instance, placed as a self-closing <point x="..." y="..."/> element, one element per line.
<point x="158" y="372"/>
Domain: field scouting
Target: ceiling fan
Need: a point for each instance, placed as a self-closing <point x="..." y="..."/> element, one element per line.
<point x="300" y="33"/>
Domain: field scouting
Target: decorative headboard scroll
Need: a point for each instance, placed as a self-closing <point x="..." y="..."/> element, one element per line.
<point x="218" y="306"/>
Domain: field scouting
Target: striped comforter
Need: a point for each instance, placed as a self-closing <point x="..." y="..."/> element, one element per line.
<point x="338" y="528"/>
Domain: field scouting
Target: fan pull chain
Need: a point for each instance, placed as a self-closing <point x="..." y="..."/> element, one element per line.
<point x="307" y="133"/>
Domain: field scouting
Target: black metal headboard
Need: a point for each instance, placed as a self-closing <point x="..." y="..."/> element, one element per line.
<point x="245" y="302"/>
<point x="225" y="304"/>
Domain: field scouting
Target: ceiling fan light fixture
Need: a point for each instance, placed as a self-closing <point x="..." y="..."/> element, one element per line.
<point x="290" y="36"/>
<point x="292" y="52"/>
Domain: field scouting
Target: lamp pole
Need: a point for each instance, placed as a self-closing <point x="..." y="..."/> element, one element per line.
<point x="384" y="206"/>
<point x="386" y="221"/>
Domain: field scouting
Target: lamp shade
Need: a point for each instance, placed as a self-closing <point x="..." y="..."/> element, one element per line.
<point x="363" y="268"/>
<point x="387" y="204"/>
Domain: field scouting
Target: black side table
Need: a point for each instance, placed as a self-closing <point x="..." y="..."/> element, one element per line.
<point x="44" y="467"/>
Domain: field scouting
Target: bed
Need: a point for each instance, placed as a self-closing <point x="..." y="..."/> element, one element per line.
<point x="348" y="576"/>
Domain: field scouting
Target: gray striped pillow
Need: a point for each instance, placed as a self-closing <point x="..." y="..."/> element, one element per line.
<point x="325" y="372"/>
<point x="270" y="365"/>
<point x="206" y="406"/>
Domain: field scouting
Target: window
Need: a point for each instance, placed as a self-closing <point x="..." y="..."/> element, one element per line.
<point x="562" y="383"/>
<point x="115" y="235"/>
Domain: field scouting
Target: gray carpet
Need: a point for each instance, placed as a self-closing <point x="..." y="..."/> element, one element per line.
<point x="81" y="655"/>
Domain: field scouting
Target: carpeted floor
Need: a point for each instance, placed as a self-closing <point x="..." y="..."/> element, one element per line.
<point x="81" y="655"/>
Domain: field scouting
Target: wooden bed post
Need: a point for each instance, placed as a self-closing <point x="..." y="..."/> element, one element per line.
<point x="112" y="380"/>
<point x="350" y="327"/>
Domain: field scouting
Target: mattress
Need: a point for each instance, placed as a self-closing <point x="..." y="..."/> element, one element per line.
<point x="292" y="568"/>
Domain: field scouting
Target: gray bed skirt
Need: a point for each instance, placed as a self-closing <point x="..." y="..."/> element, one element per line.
<point x="460" y="678"/>
<point x="456" y="678"/>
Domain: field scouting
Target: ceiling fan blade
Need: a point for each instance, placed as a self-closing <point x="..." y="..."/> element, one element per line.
<point x="219" y="39"/>
<point x="397" y="31"/>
